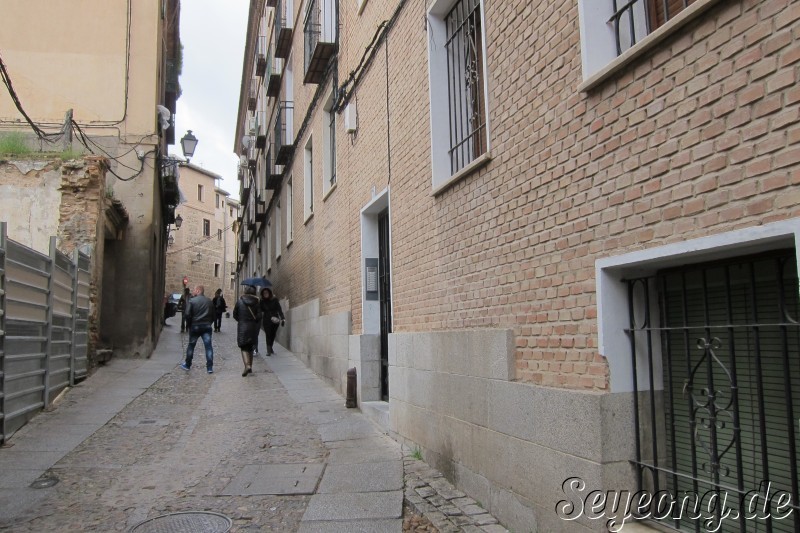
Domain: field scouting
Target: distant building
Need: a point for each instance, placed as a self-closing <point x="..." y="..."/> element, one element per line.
<point x="108" y="86"/>
<point x="201" y="250"/>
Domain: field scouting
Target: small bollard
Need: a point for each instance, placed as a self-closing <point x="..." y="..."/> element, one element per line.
<point x="351" y="388"/>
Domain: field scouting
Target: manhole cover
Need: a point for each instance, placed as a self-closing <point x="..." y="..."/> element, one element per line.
<point x="186" y="522"/>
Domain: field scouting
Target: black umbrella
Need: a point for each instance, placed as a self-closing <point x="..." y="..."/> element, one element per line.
<point x="257" y="282"/>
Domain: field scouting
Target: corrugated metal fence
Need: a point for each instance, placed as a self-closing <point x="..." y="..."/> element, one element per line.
<point x="44" y="309"/>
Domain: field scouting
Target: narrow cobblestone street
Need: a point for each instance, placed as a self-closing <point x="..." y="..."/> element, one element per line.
<point x="143" y="439"/>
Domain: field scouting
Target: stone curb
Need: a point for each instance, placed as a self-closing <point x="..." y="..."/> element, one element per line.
<point x="429" y="494"/>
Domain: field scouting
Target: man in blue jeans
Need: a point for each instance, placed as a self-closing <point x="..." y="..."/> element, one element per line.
<point x="200" y="314"/>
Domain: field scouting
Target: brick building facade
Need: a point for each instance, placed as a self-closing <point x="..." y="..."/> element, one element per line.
<point x="532" y="271"/>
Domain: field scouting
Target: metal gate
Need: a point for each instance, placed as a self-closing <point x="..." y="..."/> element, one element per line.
<point x="44" y="306"/>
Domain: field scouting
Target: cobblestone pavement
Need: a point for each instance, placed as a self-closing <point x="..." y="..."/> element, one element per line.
<point x="181" y="441"/>
<point x="177" y="446"/>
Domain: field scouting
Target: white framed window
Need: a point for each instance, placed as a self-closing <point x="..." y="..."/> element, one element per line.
<point x="614" y="32"/>
<point x="308" y="179"/>
<point x="328" y="147"/>
<point x="458" y="89"/>
<point x="277" y="229"/>
<point x="289" y="211"/>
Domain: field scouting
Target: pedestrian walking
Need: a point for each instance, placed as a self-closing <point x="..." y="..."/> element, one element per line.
<point x="219" y="307"/>
<point x="182" y="307"/>
<point x="272" y="317"/>
<point x="199" y="315"/>
<point x="247" y="314"/>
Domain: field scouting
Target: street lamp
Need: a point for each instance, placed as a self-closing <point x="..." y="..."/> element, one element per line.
<point x="178" y="222"/>
<point x="188" y="144"/>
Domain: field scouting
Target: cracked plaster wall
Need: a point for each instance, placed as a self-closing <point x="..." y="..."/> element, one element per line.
<point x="30" y="201"/>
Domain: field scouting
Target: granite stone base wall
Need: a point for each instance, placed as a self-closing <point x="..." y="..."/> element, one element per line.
<point x="321" y="342"/>
<point x="507" y="444"/>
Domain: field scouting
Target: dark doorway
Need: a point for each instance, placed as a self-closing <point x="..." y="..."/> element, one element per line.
<point x="385" y="299"/>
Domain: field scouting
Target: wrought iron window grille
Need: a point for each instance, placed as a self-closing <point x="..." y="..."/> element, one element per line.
<point x="634" y="20"/>
<point x="715" y="354"/>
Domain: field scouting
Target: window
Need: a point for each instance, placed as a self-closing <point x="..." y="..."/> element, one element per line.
<point x="328" y="146"/>
<point x="206" y="228"/>
<point x="609" y="28"/>
<point x="216" y="200"/>
<point x="199" y="193"/>
<point x="216" y="270"/>
<point x="308" y="185"/>
<point x="231" y="212"/>
<point x="457" y="72"/>
<point x="704" y="333"/>
<point x="289" y="208"/>
<point x="277" y="229"/>
<point x="268" y="234"/>
<point x="219" y="234"/>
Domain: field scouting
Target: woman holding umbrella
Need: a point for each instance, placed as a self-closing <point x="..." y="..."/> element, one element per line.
<point x="272" y="317"/>
<point x="247" y="314"/>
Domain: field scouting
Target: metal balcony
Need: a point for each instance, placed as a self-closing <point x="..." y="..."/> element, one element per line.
<point x="284" y="29"/>
<point x="283" y="136"/>
<point x="274" y="73"/>
<point x="274" y="171"/>
<point x="320" y="39"/>
<point x="252" y="95"/>
<point x="261" y="56"/>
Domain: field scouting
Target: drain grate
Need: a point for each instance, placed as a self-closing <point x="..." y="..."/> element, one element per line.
<point x="44" y="482"/>
<point x="185" y="522"/>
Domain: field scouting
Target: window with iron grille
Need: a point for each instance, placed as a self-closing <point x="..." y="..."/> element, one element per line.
<point x="465" y="83"/>
<point x="329" y="142"/>
<point x="609" y="28"/>
<point x="206" y="228"/>
<point x="457" y="76"/>
<point x="715" y="353"/>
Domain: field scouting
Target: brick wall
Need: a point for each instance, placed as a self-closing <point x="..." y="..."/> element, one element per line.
<point x="697" y="137"/>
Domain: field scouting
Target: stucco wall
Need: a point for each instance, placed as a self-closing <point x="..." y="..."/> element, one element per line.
<point x="30" y="200"/>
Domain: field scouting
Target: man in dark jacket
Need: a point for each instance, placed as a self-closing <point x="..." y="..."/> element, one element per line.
<point x="200" y="316"/>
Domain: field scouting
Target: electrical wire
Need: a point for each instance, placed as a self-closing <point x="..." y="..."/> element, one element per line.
<point x="41" y="134"/>
<point x="198" y="243"/>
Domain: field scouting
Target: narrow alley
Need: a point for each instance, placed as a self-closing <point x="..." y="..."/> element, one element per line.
<point x="147" y="446"/>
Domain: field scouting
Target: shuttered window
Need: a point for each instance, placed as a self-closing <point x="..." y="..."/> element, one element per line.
<point x="726" y="419"/>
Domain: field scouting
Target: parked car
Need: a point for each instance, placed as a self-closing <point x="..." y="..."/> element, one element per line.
<point x="172" y="305"/>
<point x="176" y="297"/>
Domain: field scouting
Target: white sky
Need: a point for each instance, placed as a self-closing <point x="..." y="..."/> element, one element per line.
<point x="213" y="34"/>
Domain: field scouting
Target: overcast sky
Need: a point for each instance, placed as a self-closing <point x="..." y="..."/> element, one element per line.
<point x="212" y="33"/>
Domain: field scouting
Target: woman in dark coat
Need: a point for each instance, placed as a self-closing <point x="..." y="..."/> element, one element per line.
<point x="247" y="314"/>
<point x="272" y="317"/>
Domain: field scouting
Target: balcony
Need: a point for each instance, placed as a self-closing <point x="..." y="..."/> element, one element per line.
<point x="261" y="210"/>
<point x="252" y="95"/>
<point x="320" y="39"/>
<point x="261" y="130"/>
<point x="283" y="136"/>
<point x="274" y="171"/>
<point x="261" y="56"/>
<point x="284" y="28"/>
<point x="169" y="182"/>
<point x="274" y="72"/>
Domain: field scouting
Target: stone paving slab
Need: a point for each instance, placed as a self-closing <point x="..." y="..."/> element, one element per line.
<point x="275" y="479"/>
<point x="357" y="454"/>
<point x="355" y="506"/>
<point x="362" y="477"/>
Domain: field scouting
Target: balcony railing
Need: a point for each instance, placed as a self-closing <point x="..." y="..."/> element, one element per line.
<point x="252" y="95"/>
<point x="261" y="130"/>
<point x="320" y="39"/>
<point x="261" y="55"/>
<point x="274" y="170"/>
<point x="283" y="136"/>
<point x="635" y="19"/>
<point x="274" y="72"/>
<point x="284" y="28"/>
<point x="169" y="181"/>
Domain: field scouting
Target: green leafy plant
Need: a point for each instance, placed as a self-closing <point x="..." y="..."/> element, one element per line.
<point x="417" y="454"/>
<point x="13" y="143"/>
